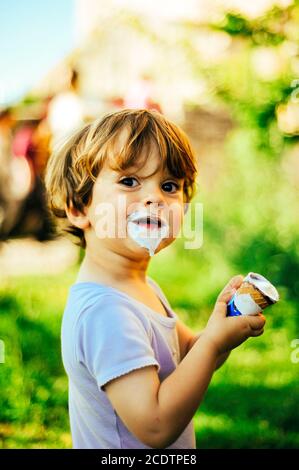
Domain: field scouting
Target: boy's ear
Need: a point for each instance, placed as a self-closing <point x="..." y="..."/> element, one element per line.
<point x="76" y="217"/>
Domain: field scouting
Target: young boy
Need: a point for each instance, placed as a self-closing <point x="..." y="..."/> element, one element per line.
<point x="136" y="373"/>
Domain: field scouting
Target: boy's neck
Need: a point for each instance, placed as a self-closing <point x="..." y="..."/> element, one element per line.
<point x="112" y="268"/>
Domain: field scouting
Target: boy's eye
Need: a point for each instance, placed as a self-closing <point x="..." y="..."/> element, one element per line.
<point x="168" y="185"/>
<point x="127" y="181"/>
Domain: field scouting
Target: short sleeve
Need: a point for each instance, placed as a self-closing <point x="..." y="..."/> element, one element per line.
<point x="113" y="340"/>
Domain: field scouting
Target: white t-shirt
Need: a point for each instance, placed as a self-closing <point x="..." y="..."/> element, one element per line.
<point x="105" y="334"/>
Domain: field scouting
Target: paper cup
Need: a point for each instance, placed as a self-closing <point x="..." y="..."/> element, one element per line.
<point x="254" y="295"/>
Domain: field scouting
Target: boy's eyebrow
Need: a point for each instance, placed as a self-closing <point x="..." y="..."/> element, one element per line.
<point x="169" y="175"/>
<point x="130" y="171"/>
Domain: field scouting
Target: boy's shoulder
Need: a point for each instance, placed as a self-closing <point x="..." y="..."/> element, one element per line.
<point x="90" y="302"/>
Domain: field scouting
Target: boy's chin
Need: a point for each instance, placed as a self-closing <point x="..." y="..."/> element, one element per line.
<point x="142" y="252"/>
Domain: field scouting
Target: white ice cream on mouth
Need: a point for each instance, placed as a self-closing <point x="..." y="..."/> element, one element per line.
<point x="146" y="235"/>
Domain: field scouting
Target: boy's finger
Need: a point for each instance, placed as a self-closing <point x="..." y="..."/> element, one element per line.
<point x="262" y="318"/>
<point x="221" y="304"/>
<point x="257" y="332"/>
<point x="256" y="322"/>
<point x="234" y="283"/>
<point x="225" y="296"/>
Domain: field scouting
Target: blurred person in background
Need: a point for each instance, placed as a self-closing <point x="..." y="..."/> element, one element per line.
<point x="16" y="173"/>
<point x="140" y="94"/>
<point x="24" y="150"/>
<point x="6" y="125"/>
<point x="66" y="111"/>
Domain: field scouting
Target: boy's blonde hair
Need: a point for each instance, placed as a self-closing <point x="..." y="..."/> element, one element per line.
<point x="72" y="170"/>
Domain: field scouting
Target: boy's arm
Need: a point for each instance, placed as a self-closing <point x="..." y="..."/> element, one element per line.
<point x="182" y="392"/>
<point x="221" y="359"/>
<point x="157" y="413"/>
<point x="187" y="339"/>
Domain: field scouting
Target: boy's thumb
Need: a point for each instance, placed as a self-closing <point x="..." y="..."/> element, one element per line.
<point x="222" y="301"/>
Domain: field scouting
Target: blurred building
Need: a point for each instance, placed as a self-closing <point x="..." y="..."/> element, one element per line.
<point x="121" y="42"/>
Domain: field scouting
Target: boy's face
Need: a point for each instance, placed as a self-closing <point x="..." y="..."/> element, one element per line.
<point x="116" y="195"/>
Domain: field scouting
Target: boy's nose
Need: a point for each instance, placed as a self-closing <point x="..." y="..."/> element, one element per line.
<point x="152" y="192"/>
<point x="154" y="201"/>
<point x="154" y="198"/>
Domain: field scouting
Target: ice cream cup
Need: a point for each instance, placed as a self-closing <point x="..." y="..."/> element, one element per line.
<point x="254" y="295"/>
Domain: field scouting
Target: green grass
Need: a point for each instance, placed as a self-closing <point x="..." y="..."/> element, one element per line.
<point x="33" y="407"/>
<point x="252" y="401"/>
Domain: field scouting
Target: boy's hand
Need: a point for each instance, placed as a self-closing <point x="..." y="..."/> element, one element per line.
<point x="226" y="333"/>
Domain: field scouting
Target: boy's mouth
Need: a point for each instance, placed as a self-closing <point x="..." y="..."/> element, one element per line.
<point x="149" y="222"/>
<point x="147" y="229"/>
